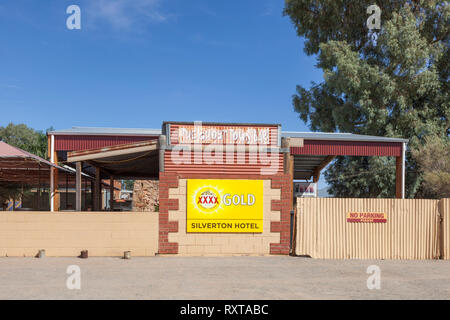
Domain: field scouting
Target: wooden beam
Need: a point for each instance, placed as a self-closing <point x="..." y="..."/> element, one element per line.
<point x="400" y="174"/>
<point x="49" y="151"/>
<point x="285" y="145"/>
<point x="72" y="157"/>
<point x="56" y="197"/>
<point x="78" y="186"/>
<point x="97" y="190"/>
<point x="67" y="190"/>
<point x="111" y="193"/>
<point x="39" y="190"/>
<point x="316" y="176"/>
<point x="289" y="167"/>
<point x="92" y="195"/>
<point x="323" y="164"/>
<point x="398" y="177"/>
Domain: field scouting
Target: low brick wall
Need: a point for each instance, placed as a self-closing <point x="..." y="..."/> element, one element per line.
<point x="66" y="234"/>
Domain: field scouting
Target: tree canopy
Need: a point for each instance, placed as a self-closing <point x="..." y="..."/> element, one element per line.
<point x="25" y="138"/>
<point x="433" y="158"/>
<point x="388" y="82"/>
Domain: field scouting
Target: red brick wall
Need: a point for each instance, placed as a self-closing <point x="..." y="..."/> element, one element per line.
<point x="166" y="181"/>
<point x="284" y="205"/>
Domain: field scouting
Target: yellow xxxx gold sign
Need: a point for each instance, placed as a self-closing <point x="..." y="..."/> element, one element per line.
<point x="224" y="205"/>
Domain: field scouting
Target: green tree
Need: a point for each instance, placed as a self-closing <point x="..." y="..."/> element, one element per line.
<point x="433" y="158"/>
<point x="25" y="138"/>
<point x="389" y="82"/>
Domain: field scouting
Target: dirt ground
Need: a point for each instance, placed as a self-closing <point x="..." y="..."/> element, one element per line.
<point x="273" y="277"/>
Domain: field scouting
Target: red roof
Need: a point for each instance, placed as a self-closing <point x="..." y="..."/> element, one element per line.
<point x="10" y="152"/>
<point x="7" y="152"/>
<point x="20" y="166"/>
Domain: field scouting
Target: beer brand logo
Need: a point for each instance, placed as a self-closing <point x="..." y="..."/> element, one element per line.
<point x="207" y="199"/>
<point x="210" y="199"/>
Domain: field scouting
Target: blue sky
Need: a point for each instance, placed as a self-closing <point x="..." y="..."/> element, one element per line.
<point x="135" y="63"/>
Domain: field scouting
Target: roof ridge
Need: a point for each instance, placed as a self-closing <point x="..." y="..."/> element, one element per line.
<point x="83" y="127"/>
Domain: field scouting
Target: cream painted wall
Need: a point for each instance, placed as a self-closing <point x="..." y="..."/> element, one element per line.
<point x="67" y="234"/>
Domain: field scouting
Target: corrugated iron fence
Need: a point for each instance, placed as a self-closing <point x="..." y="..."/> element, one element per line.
<point x="415" y="229"/>
<point x="444" y="209"/>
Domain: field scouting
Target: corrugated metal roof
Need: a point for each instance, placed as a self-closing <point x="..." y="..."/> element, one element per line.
<point x="349" y="148"/>
<point x="106" y="131"/>
<point x="9" y="152"/>
<point x="295" y="134"/>
<point x="305" y="165"/>
<point x="87" y="141"/>
<point x="124" y="161"/>
<point x="223" y="123"/>
<point x="333" y="136"/>
<point x="121" y="147"/>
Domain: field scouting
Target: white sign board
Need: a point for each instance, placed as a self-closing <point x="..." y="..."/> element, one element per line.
<point x="305" y="189"/>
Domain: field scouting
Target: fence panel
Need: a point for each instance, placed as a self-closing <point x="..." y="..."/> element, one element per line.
<point x="444" y="208"/>
<point x="410" y="232"/>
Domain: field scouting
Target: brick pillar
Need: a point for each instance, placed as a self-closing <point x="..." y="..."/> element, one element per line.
<point x="284" y="205"/>
<point x="166" y="181"/>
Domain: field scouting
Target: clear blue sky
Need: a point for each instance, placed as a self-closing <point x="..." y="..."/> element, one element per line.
<point x="135" y="63"/>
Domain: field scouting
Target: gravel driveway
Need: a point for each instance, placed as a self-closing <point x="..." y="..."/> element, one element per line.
<point x="272" y="277"/>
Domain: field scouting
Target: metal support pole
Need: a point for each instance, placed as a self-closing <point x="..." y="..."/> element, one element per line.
<point x="92" y="188"/>
<point x="162" y="148"/>
<point x="39" y="188"/>
<point x="67" y="190"/>
<point x="52" y="174"/>
<point x="403" y="169"/>
<point x="83" y="192"/>
<point x="100" y="196"/>
<point x="97" y="191"/>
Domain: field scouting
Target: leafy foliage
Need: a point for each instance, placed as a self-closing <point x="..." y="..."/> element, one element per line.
<point x="433" y="158"/>
<point x="25" y="138"/>
<point x="361" y="182"/>
<point x="392" y="82"/>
